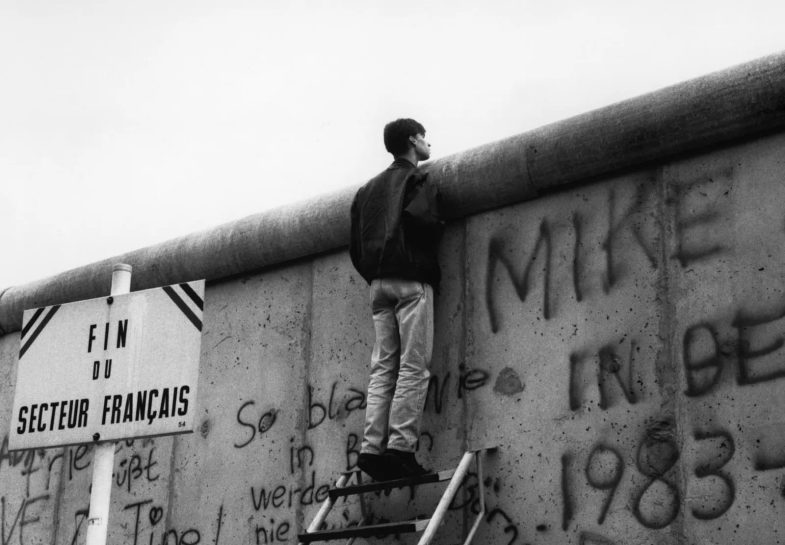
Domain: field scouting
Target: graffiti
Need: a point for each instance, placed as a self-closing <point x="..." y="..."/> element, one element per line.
<point x="218" y="525"/>
<point x="656" y="456"/>
<point x="352" y="450"/>
<point x="600" y="477"/>
<point x="657" y="500"/>
<point x="770" y="459"/>
<point x="469" y="494"/>
<point x="632" y="228"/>
<point x="134" y="467"/>
<point x="146" y="515"/>
<point x="577" y="285"/>
<point x="509" y="525"/>
<point x="621" y="226"/>
<point x="13" y="459"/>
<point x="633" y="480"/>
<point x="288" y="495"/>
<point x="568" y="509"/>
<point x="468" y="380"/>
<point x="297" y="455"/>
<point x="607" y="364"/>
<point x="702" y="373"/>
<point x="747" y="372"/>
<point x="631" y="221"/>
<point x="138" y="507"/>
<point x="706" y="352"/>
<point x="722" y="449"/>
<point x="590" y="538"/>
<point x="22" y="512"/>
<point x="80" y="516"/>
<point x="697" y="212"/>
<point x="498" y="255"/>
<point x="76" y="458"/>
<point x="318" y="412"/>
<point x="10" y="521"/>
<point x="603" y="471"/>
<point x="135" y="462"/>
<point x="262" y="425"/>
<point x="768" y="463"/>
<point x="275" y="532"/>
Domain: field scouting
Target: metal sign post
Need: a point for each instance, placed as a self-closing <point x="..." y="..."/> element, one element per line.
<point x="103" y="459"/>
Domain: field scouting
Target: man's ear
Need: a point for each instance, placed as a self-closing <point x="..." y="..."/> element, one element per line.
<point x="413" y="141"/>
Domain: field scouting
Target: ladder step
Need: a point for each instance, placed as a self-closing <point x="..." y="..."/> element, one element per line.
<point x="439" y="476"/>
<point x="366" y="531"/>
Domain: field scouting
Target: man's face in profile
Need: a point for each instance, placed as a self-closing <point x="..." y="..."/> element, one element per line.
<point x="421" y="147"/>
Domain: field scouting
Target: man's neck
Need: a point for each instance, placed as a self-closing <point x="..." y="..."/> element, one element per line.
<point x="410" y="156"/>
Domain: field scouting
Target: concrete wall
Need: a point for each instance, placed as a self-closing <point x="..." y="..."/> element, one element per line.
<point x="621" y="341"/>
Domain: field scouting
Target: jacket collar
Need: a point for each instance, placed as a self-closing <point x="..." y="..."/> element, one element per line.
<point x="400" y="162"/>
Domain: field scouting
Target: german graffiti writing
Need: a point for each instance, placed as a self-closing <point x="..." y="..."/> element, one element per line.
<point x="468" y="380"/>
<point x="318" y="411"/>
<point x="258" y="423"/>
<point x="281" y="495"/>
<point x="136" y="467"/>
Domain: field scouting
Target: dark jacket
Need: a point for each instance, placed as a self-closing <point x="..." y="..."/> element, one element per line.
<point x="395" y="226"/>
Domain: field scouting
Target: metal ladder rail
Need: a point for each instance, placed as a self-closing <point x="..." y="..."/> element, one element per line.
<point x="327" y="505"/>
<point x="441" y="509"/>
<point x="449" y="495"/>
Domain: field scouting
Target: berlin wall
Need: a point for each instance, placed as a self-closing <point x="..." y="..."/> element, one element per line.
<point x="612" y="318"/>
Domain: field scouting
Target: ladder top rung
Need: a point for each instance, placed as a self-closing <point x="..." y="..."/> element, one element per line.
<point x="366" y="531"/>
<point x="439" y="476"/>
<point x="485" y="448"/>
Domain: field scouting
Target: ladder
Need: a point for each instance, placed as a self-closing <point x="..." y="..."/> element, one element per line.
<point x="427" y="526"/>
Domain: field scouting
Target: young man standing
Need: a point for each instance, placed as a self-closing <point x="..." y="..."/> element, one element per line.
<point x="394" y="238"/>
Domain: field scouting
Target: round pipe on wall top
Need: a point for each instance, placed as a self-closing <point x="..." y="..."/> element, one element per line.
<point x="737" y="104"/>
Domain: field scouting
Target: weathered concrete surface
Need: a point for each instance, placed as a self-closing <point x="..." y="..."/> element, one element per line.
<point x="566" y="300"/>
<point x="254" y="360"/>
<point x="622" y="343"/>
<point x="727" y="106"/>
<point x="647" y="339"/>
<point x="44" y="494"/>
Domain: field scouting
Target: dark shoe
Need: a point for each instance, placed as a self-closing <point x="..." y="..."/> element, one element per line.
<point x="375" y="465"/>
<point x="405" y="463"/>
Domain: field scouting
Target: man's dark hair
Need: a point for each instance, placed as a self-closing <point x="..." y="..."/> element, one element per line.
<point x="397" y="133"/>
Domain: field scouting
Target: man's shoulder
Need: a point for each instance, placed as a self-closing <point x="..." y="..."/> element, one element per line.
<point x="389" y="175"/>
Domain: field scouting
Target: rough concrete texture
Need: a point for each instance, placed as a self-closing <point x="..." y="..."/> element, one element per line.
<point x="736" y="104"/>
<point x="621" y="343"/>
<point x="643" y="318"/>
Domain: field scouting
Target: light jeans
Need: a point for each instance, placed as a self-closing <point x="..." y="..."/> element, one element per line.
<point x="403" y="319"/>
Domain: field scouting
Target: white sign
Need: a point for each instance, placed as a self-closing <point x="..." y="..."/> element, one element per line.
<point x="107" y="369"/>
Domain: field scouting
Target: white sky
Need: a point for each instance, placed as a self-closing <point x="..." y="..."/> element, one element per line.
<point x="126" y="123"/>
